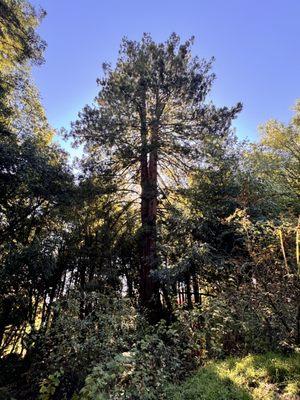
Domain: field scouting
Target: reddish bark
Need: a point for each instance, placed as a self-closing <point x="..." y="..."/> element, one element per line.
<point x="149" y="289"/>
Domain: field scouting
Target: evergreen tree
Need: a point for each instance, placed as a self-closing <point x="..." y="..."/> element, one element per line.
<point x="148" y="125"/>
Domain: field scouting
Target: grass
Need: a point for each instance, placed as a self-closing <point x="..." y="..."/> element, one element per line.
<point x="267" y="377"/>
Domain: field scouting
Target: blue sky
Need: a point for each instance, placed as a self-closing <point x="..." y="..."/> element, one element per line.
<point x="256" y="45"/>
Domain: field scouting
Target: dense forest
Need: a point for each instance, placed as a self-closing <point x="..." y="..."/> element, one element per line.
<point x="168" y="244"/>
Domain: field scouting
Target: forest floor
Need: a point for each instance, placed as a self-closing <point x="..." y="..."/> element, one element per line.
<point x="267" y="377"/>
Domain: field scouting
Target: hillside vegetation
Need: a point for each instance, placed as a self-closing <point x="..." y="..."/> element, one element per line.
<point x="262" y="377"/>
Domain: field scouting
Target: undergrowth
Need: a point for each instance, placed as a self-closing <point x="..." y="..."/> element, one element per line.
<point x="267" y="377"/>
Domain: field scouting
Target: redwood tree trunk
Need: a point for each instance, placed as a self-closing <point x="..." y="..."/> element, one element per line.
<point x="149" y="289"/>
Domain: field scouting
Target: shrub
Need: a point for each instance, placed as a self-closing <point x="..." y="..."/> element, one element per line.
<point x="76" y="343"/>
<point x="164" y="355"/>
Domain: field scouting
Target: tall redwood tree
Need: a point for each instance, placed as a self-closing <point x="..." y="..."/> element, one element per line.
<point x="147" y="126"/>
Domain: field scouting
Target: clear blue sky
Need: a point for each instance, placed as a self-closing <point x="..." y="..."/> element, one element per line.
<point x="256" y="44"/>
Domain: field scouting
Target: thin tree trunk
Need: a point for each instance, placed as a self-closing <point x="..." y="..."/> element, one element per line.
<point x="129" y="282"/>
<point x="283" y="251"/>
<point x="167" y="301"/>
<point x="178" y="294"/>
<point x="188" y="292"/>
<point x="196" y="289"/>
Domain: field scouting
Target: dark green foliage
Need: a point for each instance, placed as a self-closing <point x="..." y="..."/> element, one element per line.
<point x="19" y="45"/>
<point x="160" y="355"/>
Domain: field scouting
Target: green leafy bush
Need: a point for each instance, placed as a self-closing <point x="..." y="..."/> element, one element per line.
<point x="76" y="343"/>
<point x="163" y="355"/>
<point x="49" y="385"/>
